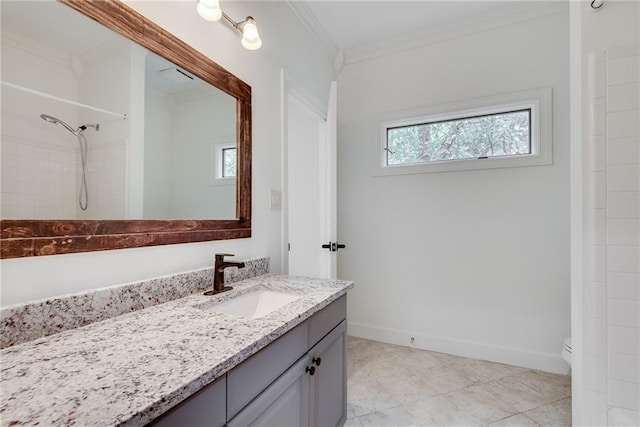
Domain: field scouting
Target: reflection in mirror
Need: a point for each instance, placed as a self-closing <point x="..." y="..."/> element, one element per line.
<point x="119" y="124"/>
<point x="151" y="129"/>
<point x="186" y="121"/>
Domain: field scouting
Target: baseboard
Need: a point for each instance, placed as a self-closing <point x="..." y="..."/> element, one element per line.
<point x="548" y="362"/>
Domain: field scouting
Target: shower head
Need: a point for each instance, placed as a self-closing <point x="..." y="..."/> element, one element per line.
<point x="55" y="120"/>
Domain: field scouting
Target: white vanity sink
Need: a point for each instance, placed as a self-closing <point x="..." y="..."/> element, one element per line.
<point x="255" y="304"/>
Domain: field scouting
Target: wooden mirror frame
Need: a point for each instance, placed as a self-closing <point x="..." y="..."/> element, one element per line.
<point x="24" y="238"/>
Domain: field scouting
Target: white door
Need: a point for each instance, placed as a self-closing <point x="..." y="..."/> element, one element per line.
<point x="310" y="144"/>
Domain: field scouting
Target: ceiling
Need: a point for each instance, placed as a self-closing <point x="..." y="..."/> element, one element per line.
<point x="52" y="26"/>
<point x="357" y="30"/>
<point x="348" y="23"/>
<point x="357" y="24"/>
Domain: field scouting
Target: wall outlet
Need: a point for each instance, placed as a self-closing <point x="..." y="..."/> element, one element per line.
<point x="275" y="200"/>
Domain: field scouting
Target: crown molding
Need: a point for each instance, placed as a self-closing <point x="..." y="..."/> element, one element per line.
<point x="306" y="16"/>
<point x="521" y="12"/>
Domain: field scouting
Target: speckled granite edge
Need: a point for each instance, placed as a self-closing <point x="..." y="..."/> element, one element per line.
<point x="20" y="323"/>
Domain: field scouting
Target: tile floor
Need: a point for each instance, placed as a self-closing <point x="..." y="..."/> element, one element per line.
<point x="389" y="385"/>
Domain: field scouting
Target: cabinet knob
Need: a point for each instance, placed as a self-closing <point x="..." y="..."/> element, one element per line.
<point x="316" y="361"/>
<point x="311" y="370"/>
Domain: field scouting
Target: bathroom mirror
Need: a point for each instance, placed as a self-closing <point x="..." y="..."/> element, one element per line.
<point x="221" y="100"/>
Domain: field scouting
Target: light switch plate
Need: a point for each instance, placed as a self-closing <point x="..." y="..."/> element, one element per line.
<point x="276" y="199"/>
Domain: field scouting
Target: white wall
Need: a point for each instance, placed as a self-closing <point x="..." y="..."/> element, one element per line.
<point x="199" y="123"/>
<point x="29" y="278"/>
<point x="181" y="131"/>
<point x="606" y="290"/>
<point x="474" y="263"/>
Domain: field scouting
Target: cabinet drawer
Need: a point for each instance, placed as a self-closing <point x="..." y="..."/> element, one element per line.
<point x="205" y="408"/>
<point x="326" y="319"/>
<point x="253" y="375"/>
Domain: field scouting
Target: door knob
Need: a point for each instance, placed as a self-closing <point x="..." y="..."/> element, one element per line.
<point x="311" y="370"/>
<point x="333" y="246"/>
<point x="316" y="361"/>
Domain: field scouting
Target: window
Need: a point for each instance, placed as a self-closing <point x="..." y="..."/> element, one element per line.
<point x="503" y="131"/>
<point x="477" y="137"/>
<point x="228" y="166"/>
<point x="223" y="155"/>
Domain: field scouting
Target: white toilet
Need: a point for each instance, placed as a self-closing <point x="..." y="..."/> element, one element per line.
<point x="566" y="351"/>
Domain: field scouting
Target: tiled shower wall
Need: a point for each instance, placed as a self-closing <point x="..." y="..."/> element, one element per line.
<point x="38" y="179"/>
<point x="41" y="179"/>
<point x="41" y="166"/>
<point x="612" y="343"/>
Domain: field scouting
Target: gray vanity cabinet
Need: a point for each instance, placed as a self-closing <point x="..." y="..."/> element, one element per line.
<point x="310" y="393"/>
<point x="297" y="380"/>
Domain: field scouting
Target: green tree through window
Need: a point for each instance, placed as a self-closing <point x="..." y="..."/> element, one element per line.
<point x="502" y="134"/>
<point x="229" y="162"/>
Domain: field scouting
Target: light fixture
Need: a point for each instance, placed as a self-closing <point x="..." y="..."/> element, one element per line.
<point x="210" y="10"/>
<point x="250" y="37"/>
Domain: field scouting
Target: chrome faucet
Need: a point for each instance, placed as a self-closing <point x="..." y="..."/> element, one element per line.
<point x="218" y="274"/>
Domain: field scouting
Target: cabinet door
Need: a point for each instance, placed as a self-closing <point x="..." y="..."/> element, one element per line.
<point x="284" y="403"/>
<point x="328" y="398"/>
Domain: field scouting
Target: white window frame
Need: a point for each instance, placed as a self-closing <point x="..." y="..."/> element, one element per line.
<point x="539" y="101"/>
<point x="217" y="162"/>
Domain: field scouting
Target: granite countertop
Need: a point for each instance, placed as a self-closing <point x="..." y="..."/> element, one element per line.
<point x="129" y="369"/>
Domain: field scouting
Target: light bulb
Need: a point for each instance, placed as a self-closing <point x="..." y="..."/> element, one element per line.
<point x="250" y="37"/>
<point x="209" y="10"/>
